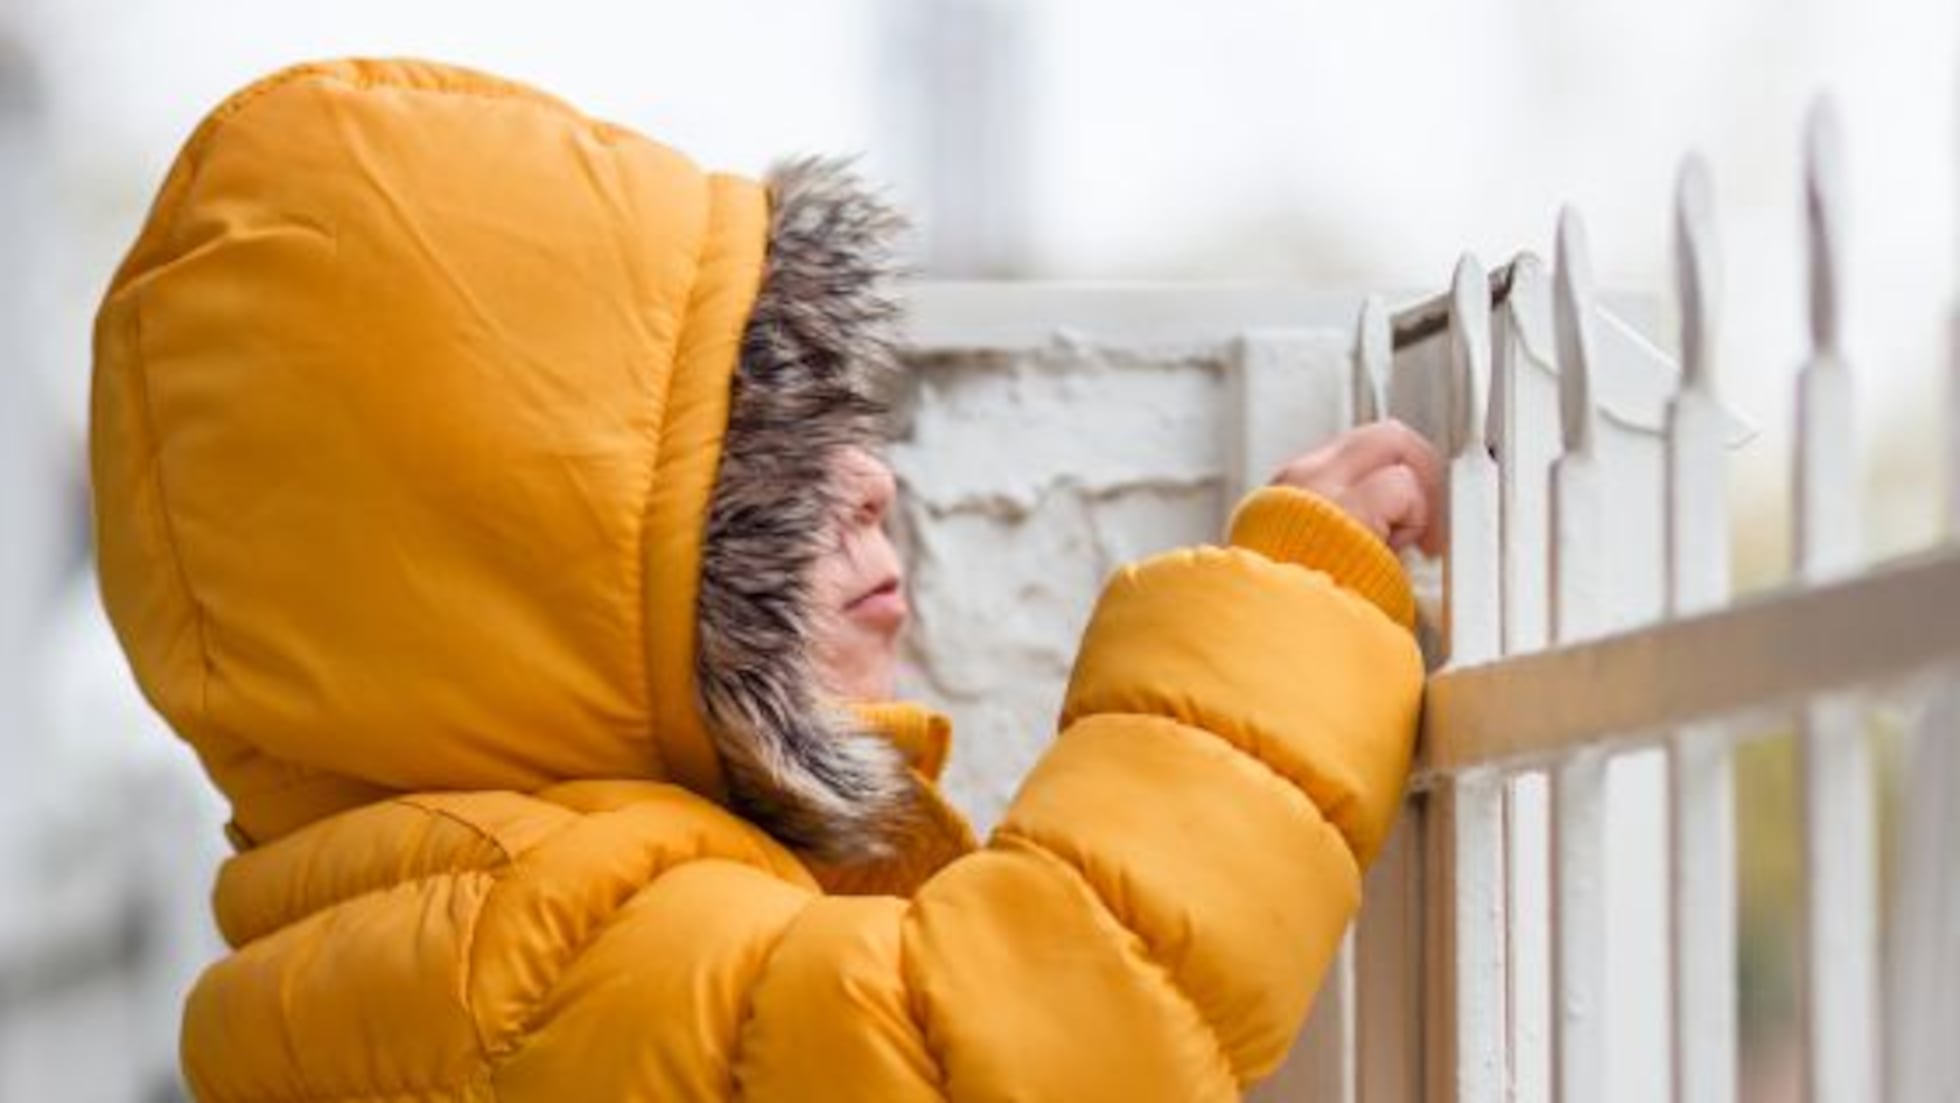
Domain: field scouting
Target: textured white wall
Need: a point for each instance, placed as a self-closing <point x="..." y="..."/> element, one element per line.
<point x="1028" y="478"/>
<point x="1032" y="469"/>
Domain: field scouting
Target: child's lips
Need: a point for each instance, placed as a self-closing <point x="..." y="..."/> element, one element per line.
<point x="882" y="606"/>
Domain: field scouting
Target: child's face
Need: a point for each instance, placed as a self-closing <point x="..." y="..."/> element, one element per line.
<point x="859" y="587"/>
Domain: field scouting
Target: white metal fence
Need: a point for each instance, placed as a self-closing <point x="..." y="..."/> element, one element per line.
<point x="1479" y="968"/>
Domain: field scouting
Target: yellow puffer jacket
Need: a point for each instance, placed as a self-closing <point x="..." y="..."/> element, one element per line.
<point x="433" y="449"/>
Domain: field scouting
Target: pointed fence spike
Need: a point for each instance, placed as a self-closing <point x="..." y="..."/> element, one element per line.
<point x="1823" y="226"/>
<point x="1514" y="337"/>
<point x="1469" y="355"/>
<point x="1840" y="887"/>
<point x="1577" y="611"/>
<point x="1697" y="273"/>
<point x="1572" y="319"/>
<point x="1826" y="480"/>
<point x="1700" y="790"/>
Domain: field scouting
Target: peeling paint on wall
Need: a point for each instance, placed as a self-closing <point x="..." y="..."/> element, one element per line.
<point x="1027" y="478"/>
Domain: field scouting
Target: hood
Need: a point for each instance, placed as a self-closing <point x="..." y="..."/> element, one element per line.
<point x="445" y="438"/>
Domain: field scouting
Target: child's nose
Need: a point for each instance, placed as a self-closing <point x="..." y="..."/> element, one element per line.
<point x="876" y="496"/>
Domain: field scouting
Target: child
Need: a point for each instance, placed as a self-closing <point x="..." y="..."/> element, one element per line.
<point x="490" y="497"/>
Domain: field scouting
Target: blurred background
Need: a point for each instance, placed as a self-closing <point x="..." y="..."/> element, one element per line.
<point x="1342" y="147"/>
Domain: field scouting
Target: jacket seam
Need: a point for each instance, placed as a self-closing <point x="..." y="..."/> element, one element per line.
<point x="466" y="953"/>
<point x="227" y="113"/>
<point x="1148" y="953"/>
<point x="460" y="1084"/>
<point x="493" y="871"/>
<point x="477" y="829"/>
<point x="1302" y="782"/>
<point x="748" y="1012"/>
<point x="643" y="568"/>
<point x="916" y="1008"/>
<point x="167" y="522"/>
<point x="519" y="1037"/>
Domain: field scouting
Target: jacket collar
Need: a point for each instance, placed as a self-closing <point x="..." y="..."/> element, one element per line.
<point x="935" y="834"/>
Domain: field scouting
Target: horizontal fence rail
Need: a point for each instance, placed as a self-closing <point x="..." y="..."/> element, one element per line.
<point x="1777" y="650"/>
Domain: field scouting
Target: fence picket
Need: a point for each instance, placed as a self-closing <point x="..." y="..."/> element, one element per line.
<point x="1523" y="436"/>
<point x="1840" y="904"/>
<point x="1697" y="517"/>
<point x="1701" y="789"/>
<point x="1923" y="1003"/>
<point x="1473" y="623"/>
<point x="1523" y="439"/>
<point x="1578" y="781"/>
<point x="1925" y="998"/>
<point x="1390" y="969"/>
<point x="1465" y="822"/>
<point x="1382" y="954"/>
<point x="1578" y="590"/>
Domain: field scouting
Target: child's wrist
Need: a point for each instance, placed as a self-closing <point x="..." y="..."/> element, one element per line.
<point x="1290" y="525"/>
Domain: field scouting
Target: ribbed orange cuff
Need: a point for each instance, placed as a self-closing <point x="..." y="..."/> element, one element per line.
<point x="1289" y="525"/>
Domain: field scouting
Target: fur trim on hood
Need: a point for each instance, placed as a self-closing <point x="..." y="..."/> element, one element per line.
<point x="817" y="358"/>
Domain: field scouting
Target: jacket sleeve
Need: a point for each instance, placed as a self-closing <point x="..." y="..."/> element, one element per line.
<point x="1152" y="916"/>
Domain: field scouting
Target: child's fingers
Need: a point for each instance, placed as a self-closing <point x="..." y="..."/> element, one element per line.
<point x="1364" y="450"/>
<point x="1385" y="474"/>
<point x="1393" y="503"/>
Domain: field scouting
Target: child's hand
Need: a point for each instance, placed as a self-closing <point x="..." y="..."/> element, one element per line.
<point x="1384" y="475"/>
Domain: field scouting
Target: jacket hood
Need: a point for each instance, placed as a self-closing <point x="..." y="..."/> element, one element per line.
<point x="444" y="438"/>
